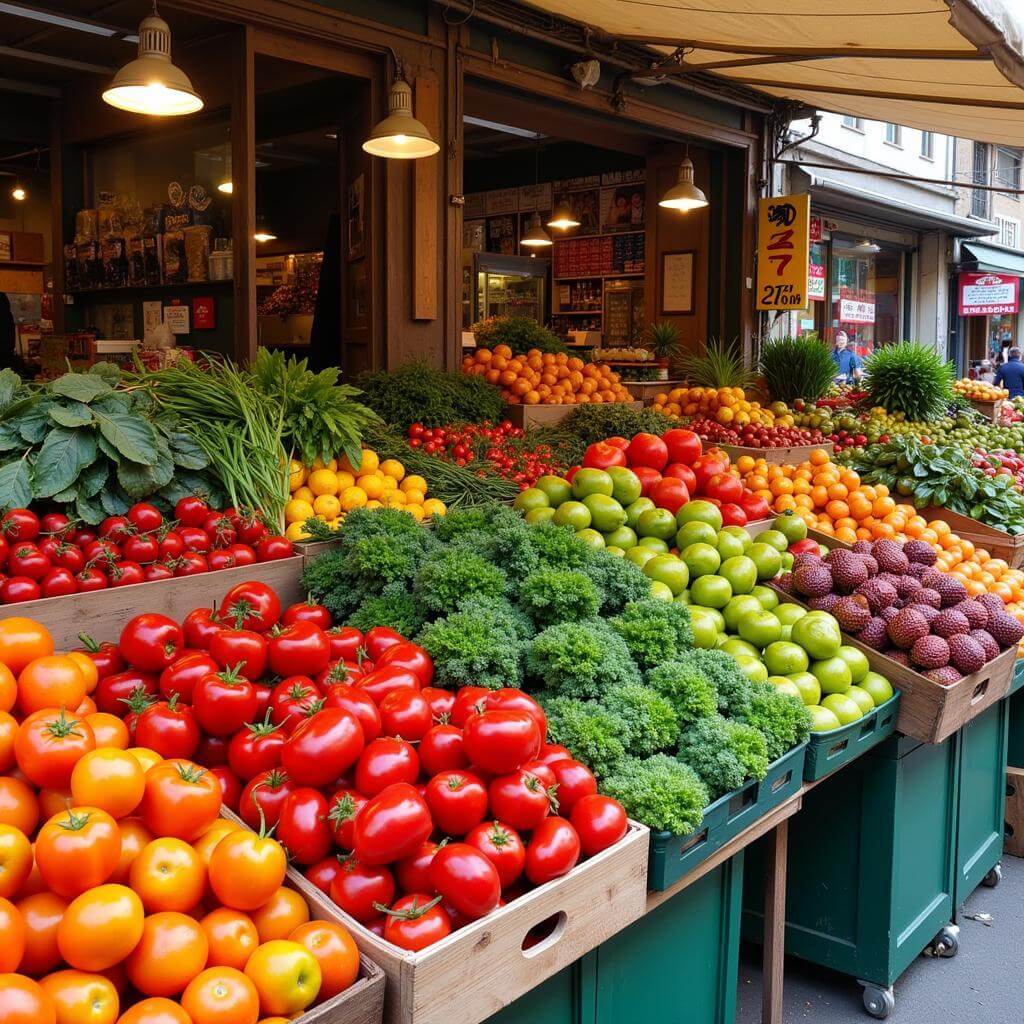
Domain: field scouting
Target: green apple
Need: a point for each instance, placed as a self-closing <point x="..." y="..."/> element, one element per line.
<point x="857" y="660"/>
<point x="787" y="562"/>
<point x="669" y="570"/>
<point x="789" y="613"/>
<point x="696" y="533"/>
<point x="786" y="685"/>
<point x="635" y="509"/>
<point x="716" y="615"/>
<point x="621" y="537"/>
<point x="656" y="522"/>
<point x="791" y="526"/>
<point x="639" y="556"/>
<point x="705" y="631"/>
<point x="572" y="513"/>
<point x="737" y="608"/>
<point x="768" y="598"/>
<point x="845" y="709"/>
<point x="684" y="597"/>
<point x="710" y="591"/>
<point x="590" y="537"/>
<point x="741" y="573"/>
<point x="774" y="539"/>
<point x="614" y="549"/>
<point x="606" y="514"/>
<point x="739" y="533"/>
<point x="660" y="591"/>
<point x="557" y="489"/>
<point x="700" y="512"/>
<point x="531" y="498"/>
<point x="591" y="481"/>
<point x="729" y="546"/>
<point x="808" y="685"/>
<point x="878" y="686"/>
<point x="760" y="628"/>
<point x="539" y="515"/>
<point x="767" y="560"/>
<point x="783" y="658"/>
<point x="752" y="668"/>
<point x="833" y="674"/>
<point x="701" y="559"/>
<point x="734" y="645"/>
<point x="863" y="699"/>
<point x="823" y="720"/>
<point x="656" y="544"/>
<point x="626" y="485"/>
<point x="818" y="634"/>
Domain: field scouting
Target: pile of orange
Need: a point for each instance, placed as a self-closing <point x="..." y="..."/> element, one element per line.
<point x="545" y="378"/>
<point x="725" y="405"/>
<point x="832" y="500"/>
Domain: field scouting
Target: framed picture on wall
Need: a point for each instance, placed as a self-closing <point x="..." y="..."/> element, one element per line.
<point x="677" y="282"/>
<point x="356" y="217"/>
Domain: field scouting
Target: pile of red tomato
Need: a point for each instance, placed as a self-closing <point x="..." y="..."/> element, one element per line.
<point x="51" y="556"/>
<point x="415" y="808"/>
<point x="674" y="469"/>
<point x="462" y="443"/>
<point x="756" y="435"/>
<point x="124" y="897"/>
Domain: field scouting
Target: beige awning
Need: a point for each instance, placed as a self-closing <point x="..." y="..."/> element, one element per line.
<point x="954" y="67"/>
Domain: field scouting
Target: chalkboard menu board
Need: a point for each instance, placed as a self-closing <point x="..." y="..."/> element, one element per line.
<point x="617" y="315"/>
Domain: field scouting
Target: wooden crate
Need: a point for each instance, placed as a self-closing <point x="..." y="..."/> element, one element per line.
<point x="647" y="390"/>
<point x="827" y="539"/>
<point x="990" y="410"/>
<point x="479" y="969"/>
<point x="791" y="456"/>
<point x="1014" y="813"/>
<point x="527" y="416"/>
<point x="998" y="543"/>
<point x="361" y="1003"/>
<point x="103" y="613"/>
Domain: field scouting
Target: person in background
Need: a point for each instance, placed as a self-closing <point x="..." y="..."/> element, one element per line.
<point x="847" y="364"/>
<point x="986" y="373"/>
<point x="1011" y="374"/>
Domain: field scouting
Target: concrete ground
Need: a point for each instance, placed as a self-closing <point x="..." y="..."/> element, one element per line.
<point x="982" y="984"/>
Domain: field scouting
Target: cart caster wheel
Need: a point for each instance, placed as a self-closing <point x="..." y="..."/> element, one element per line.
<point x="947" y="942"/>
<point x="994" y="877"/>
<point x="879" y="1002"/>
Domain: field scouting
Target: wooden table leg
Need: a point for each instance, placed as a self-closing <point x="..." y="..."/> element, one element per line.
<point x="774" y="924"/>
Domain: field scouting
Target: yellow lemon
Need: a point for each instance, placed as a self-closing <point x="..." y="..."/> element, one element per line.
<point x="352" y="497"/>
<point x="392" y="468"/>
<point x="304" y="494"/>
<point x="296" y="475"/>
<point x="416" y="511"/>
<point x="374" y="503"/>
<point x="414" y="483"/>
<point x="296" y="532"/>
<point x="331" y="464"/>
<point x="297" y="511"/>
<point x="372" y="483"/>
<point x="323" y="481"/>
<point x="390" y="485"/>
<point x="370" y="462"/>
<point x="434" y="507"/>
<point x="396" y="500"/>
<point x="345" y="479"/>
<point x="414" y="497"/>
<point x="327" y="506"/>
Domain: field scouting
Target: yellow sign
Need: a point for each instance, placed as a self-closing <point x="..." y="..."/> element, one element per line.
<point x="783" y="237"/>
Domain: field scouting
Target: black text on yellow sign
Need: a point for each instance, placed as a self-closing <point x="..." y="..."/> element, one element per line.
<point x="783" y="236"/>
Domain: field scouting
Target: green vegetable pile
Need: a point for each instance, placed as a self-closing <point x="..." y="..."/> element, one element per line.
<point x="797" y="368"/>
<point x="909" y="378"/>
<point x="86" y="442"/>
<point x="520" y="333"/>
<point x="497" y="602"/>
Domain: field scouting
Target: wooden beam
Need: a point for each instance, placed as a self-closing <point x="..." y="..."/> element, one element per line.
<point x="454" y="158"/>
<point x="243" y="195"/>
<point x="682" y="68"/>
<point x="803" y="51"/>
<point x="774" y="950"/>
<point x="51" y="60"/>
<point x="57" y="218"/>
<point x="426" y="184"/>
<point x="842" y="90"/>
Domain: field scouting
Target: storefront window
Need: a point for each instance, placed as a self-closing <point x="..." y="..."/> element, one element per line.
<point x="864" y="284"/>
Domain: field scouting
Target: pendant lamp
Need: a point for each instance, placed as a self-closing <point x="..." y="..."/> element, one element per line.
<point x="152" y="84"/>
<point x="684" y="195"/>
<point x="19" y="193"/>
<point x="263" y="233"/>
<point x="535" y="237"/>
<point x="400" y="136"/>
<point x="563" y="218"/>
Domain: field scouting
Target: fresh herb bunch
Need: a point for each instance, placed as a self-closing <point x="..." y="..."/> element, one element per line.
<point x="420" y="393"/>
<point x="660" y="791"/>
<point x="797" y="368"/>
<point x="720" y="365"/>
<point x="519" y="333"/>
<point x="909" y="378"/>
<point x="85" y="442"/>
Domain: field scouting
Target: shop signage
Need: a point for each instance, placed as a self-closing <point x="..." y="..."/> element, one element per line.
<point x="815" y="229"/>
<point x="815" y="282"/>
<point x="856" y="307"/>
<point x="783" y="240"/>
<point x="985" y="294"/>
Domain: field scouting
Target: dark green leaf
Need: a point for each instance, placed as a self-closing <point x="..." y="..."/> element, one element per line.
<point x="15" y="485"/>
<point x="67" y="496"/>
<point x="114" y="501"/>
<point x="89" y="510"/>
<point x="34" y="425"/>
<point x="84" y="387"/>
<point x="139" y="481"/>
<point x="10" y="385"/>
<point x="64" y="454"/>
<point x="108" y="372"/>
<point x="186" y="452"/>
<point x="133" y="437"/>
<point x="77" y="414"/>
<point x="10" y="439"/>
<point x="113" y="403"/>
<point x="92" y="479"/>
<point x="108" y="449"/>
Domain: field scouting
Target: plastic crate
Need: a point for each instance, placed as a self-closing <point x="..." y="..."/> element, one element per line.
<point x="672" y="856"/>
<point x="829" y="751"/>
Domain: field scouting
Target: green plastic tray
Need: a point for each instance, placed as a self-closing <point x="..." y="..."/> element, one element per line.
<point x="1018" y="677"/>
<point x="673" y="856"/>
<point x="829" y="751"/>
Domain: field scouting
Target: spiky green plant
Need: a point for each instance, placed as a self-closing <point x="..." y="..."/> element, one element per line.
<point x="663" y="339"/>
<point x="909" y="378"/>
<point x="720" y="365"/>
<point x="797" y="368"/>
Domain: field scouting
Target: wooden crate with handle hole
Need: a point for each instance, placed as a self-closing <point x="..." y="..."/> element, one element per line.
<point x="998" y="543"/>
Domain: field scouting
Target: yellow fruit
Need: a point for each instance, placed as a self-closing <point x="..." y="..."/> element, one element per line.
<point x="296" y="532"/>
<point x="416" y="511"/>
<point x="331" y="464"/>
<point x="296" y="475"/>
<point x="352" y="497"/>
<point x="392" y="468"/>
<point x="323" y="481"/>
<point x="327" y="506"/>
<point x="370" y="462"/>
<point x="304" y="494"/>
<point x="297" y="511"/>
<point x="414" y="483"/>
<point x="372" y="483"/>
<point x="334" y="523"/>
<point x="390" y="485"/>
<point x="345" y="479"/>
<point x="396" y="500"/>
<point x="415" y="497"/>
<point x="374" y="503"/>
<point x="434" y="507"/>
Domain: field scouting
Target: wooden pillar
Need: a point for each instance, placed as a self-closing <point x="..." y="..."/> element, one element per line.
<point x="243" y="204"/>
<point x="57" y="216"/>
<point x="774" y="924"/>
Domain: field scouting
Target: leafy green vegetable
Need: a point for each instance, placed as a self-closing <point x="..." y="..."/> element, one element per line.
<point x="690" y="692"/>
<point x="619" y="580"/>
<point x="520" y="333"/>
<point x="783" y="720"/>
<point x="724" y="754"/>
<point x="398" y="611"/>
<point x="557" y="595"/>
<point x="473" y="648"/>
<point x="594" y="735"/>
<point x="659" y="791"/>
<point x="650" y="720"/>
<point x="655" y="631"/>
<point x="580" y="659"/>
<point x="450" y="574"/>
<point x="731" y="686"/>
<point x="797" y="368"/>
<point x="909" y="378"/>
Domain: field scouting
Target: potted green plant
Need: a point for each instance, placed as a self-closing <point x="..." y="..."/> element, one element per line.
<point x="663" y="341"/>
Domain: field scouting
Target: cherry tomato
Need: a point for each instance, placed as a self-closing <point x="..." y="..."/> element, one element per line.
<point x="409" y="656"/>
<point x="574" y="780"/>
<point x="20" y="524"/>
<point x="441" y="750"/>
<point x="323" y="747"/>
<point x="191" y="511"/>
<point x="271" y="548"/>
<point x="359" y="889"/>
<point x="405" y="713"/>
<point x="252" y="606"/>
<point x="553" y="850"/>
<point x="457" y="801"/>
<point x="500" y="741"/>
<point x="191" y="563"/>
<point x="144" y="549"/>
<point x="268" y="792"/>
<point x="306" y="612"/>
<point x="169" y="727"/>
<point x="240" y="647"/>
<point x="303" y="827"/>
<point x="181" y="800"/>
<point x="301" y="648"/>
<point x="599" y="821"/>
<point x="250" y="528"/>
<point x="49" y="744"/>
<point x="519" y="799"/>
<point x="181" y="676"/>
<point x="195" y="540"/>
<point x="385" y="761"/>
<point x="90" y="580"/>
<point x="503" y="847"/>
<point x="170" y="546"/>
<point x="28" y="560"/>
<point x="16" y="589"/>
<point x="323" y="872"/>
<point x="255" y="748"/>
<point x="345" y="805"/>
<point x="242" y="554"/>
<point x="114" y="691"/>
<point x="151" y="642"/>
<point x="391" y="825"/>
<point x="360" y="704"/>
<point x="415" y="921"/>
<point x="466" y="880"/>
<point x="230" y="786"/>
<point x="223" y="702"/>
<point x="58" y="582"/>
<point x="221" y="531"/>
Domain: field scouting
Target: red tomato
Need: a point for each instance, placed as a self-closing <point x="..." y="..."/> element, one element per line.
<point x="157" y="571"/>
<point x="20" y="524"/>
<point x="441" y="750"/>
<point x="223" y="702"/>
<point x="670" y="493"/>
<point x="510" y="699"/>
<point x="379" y="639"/>
<point x="553" y="851"/>
<point x="647" y="450"/>
<point x="441" y="702"/>
<point x="733" y="515"/>
<point x="457" y="801"/>
<point x="599" y="821"/>
<point x="252" y="606"/>
<point x="151" y="642"/>
<point x="500" y="741"/>
<point x="49" y="744"/>
<point x="299" y="649"/>
<point x="113" y="691"/>
<point x="126" y="574"/>
<point x="307" y="612"/>
<point x="240" y="647"/>
<point x="230" y="786"/>
<point x="194" y="539"/>
<point x="520" y="799"/>
<point x="105" y="656"/>
<point x="269" y="549"/>
<point x="413" y="872"/>
<point x="574" y="780"/>
<point x="219" y="528"/>
<point x="466" y="879"/>
<point x="180" y="800"/>
<point x="502" y="846"/>
<point x="199" y="628"/>
<point x="268" y="792"/>
<point x="242" y="554"/>
<point x="551" y="752"/>
<point x="91" y="580"/>
<point x="16" y="589"/>
<point x="302" y="826"/>
<point x="144" y="549"/>
<point x="323" y="747"/>
<point x="212" y="751"/>
<point x="255" y="748"/>
<point x="754" y="506"/>
<point x="648" y="478"/>
<point x="405" y="713"/>
<point x="707" y="466"/>
<point x="172" y="546"/>
<point x="345" y="805"/>
<point x="220" y="560"/>
<point x="181" y="676"/>
<point x="381" y="681"/>
<point x="360" y="704"/>
<point x="683" y="446"/>
<point x="723" y="486"/>
<point x="409" y="656"/>
<point x="415" y="921"/>
<point x="191" y="511"/>
<point x="291" y="699"/>
<point x="469" y="700"/>
<point x="360" y="889"/>
<point x="602" y="455"/>
<point x="385" y="761"/>
<point x="617" y="442"/>
<point x="28" y="560"/>
<point x="391" y="825"/>
<point x="323" y="872"/>
<point x="346" y="642"/>
<point x="168" y="727"/>
<point x="543" y="772"/>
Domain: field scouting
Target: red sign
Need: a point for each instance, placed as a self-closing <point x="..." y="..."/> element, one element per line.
<point x="985" y="294"/>
<point x="815" y="229"/>
<point x="204" y="313"/>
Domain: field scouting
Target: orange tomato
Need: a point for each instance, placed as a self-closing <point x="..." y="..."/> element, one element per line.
<point x="18" y="805"/>
<point x="53" y="801"/>
<point x="8" y="734"/>
<point x="110" y="779"/>
<point x="8" y="688"/>
<point x="171" y="952"/>
<point x="12" y="936"/>
<point x="206" y="843"/>
<point x="286" y="975"/>
<point x="146" y="757"/>
<point x="22" y="1001"/>
<point x="232" y="937"/>
<point x="221" y="995"/>
<point x="155" y="1011"/>
<point x="168" y="875"/>
<point x="181" y="799"/>
<point x="134" y="838"/>
<point x="335" y="952"/>
<point x="100" y="927"/>
<point x="280" y="915"/>
<point x="88" y="669"/>
<point x="21" y="641"/>
<point x="53" y="681"/>
<point x="49" y="744"/>
<point x="41" y="913"/>
<point x="246" y="869"/>
<point x="108" y="729"/>
<point x="82" y="998"/>
<point x="77" y="850"/>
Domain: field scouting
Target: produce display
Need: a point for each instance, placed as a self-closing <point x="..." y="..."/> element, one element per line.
<point x="756" y="436"/>
<point x="979" y="390"/>
<point x="727" y="405"/>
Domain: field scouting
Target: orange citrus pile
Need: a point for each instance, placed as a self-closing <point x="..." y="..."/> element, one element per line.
<point x="544" y="378"/>
<point x="832" y="500"/>
<point x="726" y="405"/>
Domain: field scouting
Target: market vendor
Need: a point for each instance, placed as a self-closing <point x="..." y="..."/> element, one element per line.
<point x="1010" y="374"/>
<point x="847" y="364"/>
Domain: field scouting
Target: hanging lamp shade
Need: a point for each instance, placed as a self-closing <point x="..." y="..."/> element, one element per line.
<point x="563" y="218"/>
<point x="400" y="136"/>
<point x="535" y="237"/>
<point x="152" y="84"/>
<point x="263" y="232"/>
<point x="19" y="193"/>
<point x="684" y="195"/>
